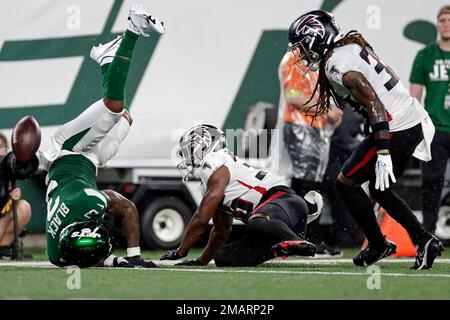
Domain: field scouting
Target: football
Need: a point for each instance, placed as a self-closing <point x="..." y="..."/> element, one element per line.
<point x="26" y="138"/>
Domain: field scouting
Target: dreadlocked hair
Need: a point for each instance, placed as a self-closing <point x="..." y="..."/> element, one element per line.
<point x="323" y="86"/>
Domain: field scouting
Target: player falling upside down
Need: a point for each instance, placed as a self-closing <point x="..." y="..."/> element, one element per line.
<point x="76" y="234"/>
<point x="274" y="215"/>
<point x="353" y="75"/>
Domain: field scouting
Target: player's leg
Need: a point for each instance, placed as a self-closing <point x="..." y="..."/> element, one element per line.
<point x="359" y="168"/>
<point x="433" y="173"/>
<point x="243" y="253"/>
<point x="90" y="127"/>
<point x="140" y="23"/>
<point x="108" y="147"/>
<point x="282" y="224"/>
<point x="355" y="171"/>
<point x="403" y="144"/>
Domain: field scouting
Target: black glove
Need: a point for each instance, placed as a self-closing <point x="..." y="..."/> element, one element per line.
<point x="191" y="262"/>
<point x="138" y="262"/>
<point x="172" y="255"/>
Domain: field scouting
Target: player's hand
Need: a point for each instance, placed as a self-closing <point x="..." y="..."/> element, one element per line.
<point x="172" y="255"/>
<point x="191" y="262"/>
<point x="383" y="171"/>
<point x="138" y="262"/>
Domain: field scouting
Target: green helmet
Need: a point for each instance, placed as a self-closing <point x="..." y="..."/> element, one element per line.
<point x="84" y="244"/>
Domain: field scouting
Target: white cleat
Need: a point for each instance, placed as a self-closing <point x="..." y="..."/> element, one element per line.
<point x="104" y="53"/>
<point x="142" y="23"/>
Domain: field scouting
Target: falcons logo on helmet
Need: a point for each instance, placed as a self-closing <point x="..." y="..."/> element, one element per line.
<point x="310" y="24"/>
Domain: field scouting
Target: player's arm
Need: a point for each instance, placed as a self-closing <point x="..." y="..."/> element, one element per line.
<point x="223" y="223"/>
<point x="207" y="209"/>
<point x="119" y="206"/>
<point x="363" y="92"/>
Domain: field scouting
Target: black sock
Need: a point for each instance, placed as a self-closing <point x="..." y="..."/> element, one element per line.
<point x="272" y="230"/>
<point x="361" y="208"/>
<point x="398" y="209"/>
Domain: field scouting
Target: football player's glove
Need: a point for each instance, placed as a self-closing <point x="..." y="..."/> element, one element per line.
<point x="172" y="255"/>
<point x="190" y="262"/>
<point x="383" y="171"/>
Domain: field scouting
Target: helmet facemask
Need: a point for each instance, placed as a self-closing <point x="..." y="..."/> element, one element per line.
<point x="194" y="145"/>
<point x="305" y="57"/>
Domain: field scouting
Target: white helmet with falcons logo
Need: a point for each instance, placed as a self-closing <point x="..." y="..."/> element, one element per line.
<point x="195" y="144"/>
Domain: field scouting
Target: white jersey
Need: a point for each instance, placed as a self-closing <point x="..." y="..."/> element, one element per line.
<point x="403" y="111"/>
<point x="246" y="187"/>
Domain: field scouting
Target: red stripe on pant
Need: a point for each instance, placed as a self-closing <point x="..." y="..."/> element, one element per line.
<point x="369" y="155"/>
<point x="276" y="195"/>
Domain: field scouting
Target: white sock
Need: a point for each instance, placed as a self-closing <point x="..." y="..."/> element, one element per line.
<point x="135" y="251"/>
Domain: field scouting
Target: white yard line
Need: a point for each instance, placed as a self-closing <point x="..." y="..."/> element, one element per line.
<point x="166" y="263"/>
<point x="165" y="266"/>
<point x="437" y="275"/>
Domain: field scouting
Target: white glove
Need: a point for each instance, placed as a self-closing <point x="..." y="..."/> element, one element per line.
<point x="384" y="170"/>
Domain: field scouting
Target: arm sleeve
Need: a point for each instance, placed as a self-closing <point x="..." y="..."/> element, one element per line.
<point x="417" y="71"/>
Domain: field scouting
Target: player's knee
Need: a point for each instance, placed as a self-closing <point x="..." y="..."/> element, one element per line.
<point x="115" y="106"/>
<point x="24" y="210"/>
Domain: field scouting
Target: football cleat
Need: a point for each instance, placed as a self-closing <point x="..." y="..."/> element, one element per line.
<point x="293" y="248"/>
<point x="142" y="23"/>
<point x="371" y="254"/>
<point x="104" y="53"/>
<point x="138" y="262"/>
<point x="427" y="253"/>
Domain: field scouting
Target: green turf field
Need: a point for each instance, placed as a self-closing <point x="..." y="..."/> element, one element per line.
<point x="299" y="279"/>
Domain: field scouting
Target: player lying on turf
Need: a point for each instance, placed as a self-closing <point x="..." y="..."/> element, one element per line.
<point x="274" y="215"/>
<point x="353" y="75"/>
<point x="76" y="234"/>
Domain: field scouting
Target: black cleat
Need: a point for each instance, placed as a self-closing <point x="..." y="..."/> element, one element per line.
<point x="427" y="253"/>
<point x="293" y="248"/>
<point x="370" y="255"/>
<point x="138" y="262"/>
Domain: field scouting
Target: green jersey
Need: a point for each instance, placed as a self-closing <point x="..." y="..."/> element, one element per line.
<point x="72" y="196"/>
<point x="431" y="69"/>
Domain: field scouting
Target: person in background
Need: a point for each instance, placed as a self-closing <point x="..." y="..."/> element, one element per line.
<point x="430" y="70"/>
<point x="306" y="140"/>
<point x="9" y="194"/>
